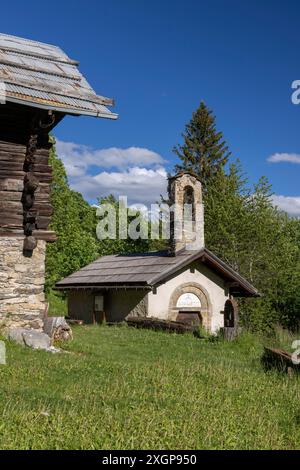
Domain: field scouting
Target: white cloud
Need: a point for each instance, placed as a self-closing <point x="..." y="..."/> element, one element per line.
<point x="78" y="158"/>
<point x="284" y="157"/>
<point x="135" y="172"/>
<point x="291" y="205"/>
<point x="140" y="185"/>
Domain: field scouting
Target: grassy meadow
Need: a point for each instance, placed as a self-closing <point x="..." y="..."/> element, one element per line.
<point x="121" y="388"/>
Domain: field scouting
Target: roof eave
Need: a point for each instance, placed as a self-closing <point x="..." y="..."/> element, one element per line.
<point x="247" y="290"/>
<point x="61" y="109"/>
<point x="100" y="286"/>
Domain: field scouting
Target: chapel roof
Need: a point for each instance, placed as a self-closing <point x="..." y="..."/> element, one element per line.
<point x="147" y="270"/>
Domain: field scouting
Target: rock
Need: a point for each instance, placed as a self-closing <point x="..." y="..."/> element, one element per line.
<point x="36" y="340"/>
<point x="26" y="322"/>
<point x="16" y="335"/>
<point x="54" y="350"/>
<point x="57" y="329"/>
<point x="31" y="338"/>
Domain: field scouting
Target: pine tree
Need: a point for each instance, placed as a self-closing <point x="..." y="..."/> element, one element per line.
<point x="204" y="152"/>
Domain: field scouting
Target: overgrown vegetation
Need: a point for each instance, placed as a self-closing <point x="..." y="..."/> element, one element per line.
<point x="123" y="388"/>
<point x="243" y="227"/>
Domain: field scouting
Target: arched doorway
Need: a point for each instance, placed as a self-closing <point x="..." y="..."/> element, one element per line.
<point x="190" y="303"/>
<point x="189" y="309"/>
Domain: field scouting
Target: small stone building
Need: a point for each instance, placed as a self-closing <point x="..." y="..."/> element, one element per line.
<point x="40" y="84"/>
<point x="186" y="283"/>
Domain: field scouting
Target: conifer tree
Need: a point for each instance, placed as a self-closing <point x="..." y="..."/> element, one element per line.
<point x="204" y="152"/>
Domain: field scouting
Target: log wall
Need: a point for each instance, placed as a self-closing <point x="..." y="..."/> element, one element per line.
<point x="25" y="213"/>
<point x="22" y="210"/>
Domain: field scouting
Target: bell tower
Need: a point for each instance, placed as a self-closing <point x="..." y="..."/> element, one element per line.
<point x="186" y="213"/>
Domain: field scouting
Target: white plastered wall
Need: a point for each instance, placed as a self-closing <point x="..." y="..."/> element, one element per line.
<point x="196" y="273"/>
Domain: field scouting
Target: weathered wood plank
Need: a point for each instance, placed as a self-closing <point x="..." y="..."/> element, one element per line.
<point x="6" y="173"/>
<point x="11" y="166"/>
<point x="10" y="219"/>
<point x="6" y="182"/>
<point x="6" y="158"/>
<point x="47" y="235"/>
<point x="8" y="206"/>
<point x="279" y="359"/>
<point x="42" y="222"/>
<point x="11" y="231"/>
<point x="37" y="167"/>
<point x="10" y="195"/>
<point x="9" y="184"/>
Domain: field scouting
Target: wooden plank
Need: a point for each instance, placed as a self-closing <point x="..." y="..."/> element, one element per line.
<point x="41" y="152"/>
<point x="43" y="210"/>
<point x="9" y="184"/>
<point x="6" y="173"/>
<point x="12" y="231"/>
<point x="279" y="359"/>
<point x="10" y="157"/>
<point x="47" y="235"/>
<point x="8" y="219"/>
<point x="43" y="177"/>
<point x="11" y="206"/>
<point x="6" y="158"/>
<point x="42" y="222"/>
<point x="10" y="195"/>
<point x="37" y="167"/>
<point x="16" y="208"/>
<point x="11" y="166"/>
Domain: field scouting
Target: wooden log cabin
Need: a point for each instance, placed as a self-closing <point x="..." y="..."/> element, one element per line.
<point x="40" y="84"/>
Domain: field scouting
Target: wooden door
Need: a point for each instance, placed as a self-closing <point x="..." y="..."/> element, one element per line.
<point x="190" y="318"/>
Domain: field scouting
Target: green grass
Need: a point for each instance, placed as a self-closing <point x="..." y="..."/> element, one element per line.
<point x="122" y="388"/>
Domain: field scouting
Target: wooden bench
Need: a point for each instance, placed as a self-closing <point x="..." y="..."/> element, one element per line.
<point x="279" y="359"/>
<point x="157" y="324"/>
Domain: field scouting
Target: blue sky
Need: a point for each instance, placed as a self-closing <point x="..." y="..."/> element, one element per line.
<point x="159" y="59"/>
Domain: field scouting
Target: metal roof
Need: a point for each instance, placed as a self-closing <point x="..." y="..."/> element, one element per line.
<point x="148" y="270"/>
<point x="43" y="76"/>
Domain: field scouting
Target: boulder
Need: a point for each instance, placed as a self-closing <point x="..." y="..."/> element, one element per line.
<point x="36" y="339"/>
<point x="16" y="335"/>
<point x="57" y="329"/>
<point x="31" y="338"/>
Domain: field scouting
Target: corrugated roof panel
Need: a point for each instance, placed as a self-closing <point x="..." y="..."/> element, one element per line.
<point x="31" y="47"/>
<point x="58" y="102"/>
<point x="43" y="75"/>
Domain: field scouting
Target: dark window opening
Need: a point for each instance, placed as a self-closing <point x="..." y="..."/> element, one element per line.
<point x="190" y="318"/>
<point x="229" y="314"/>
<point x="189" y="200"/>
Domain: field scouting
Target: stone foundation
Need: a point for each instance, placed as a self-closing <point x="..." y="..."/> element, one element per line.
<point x="22" y="279"/>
